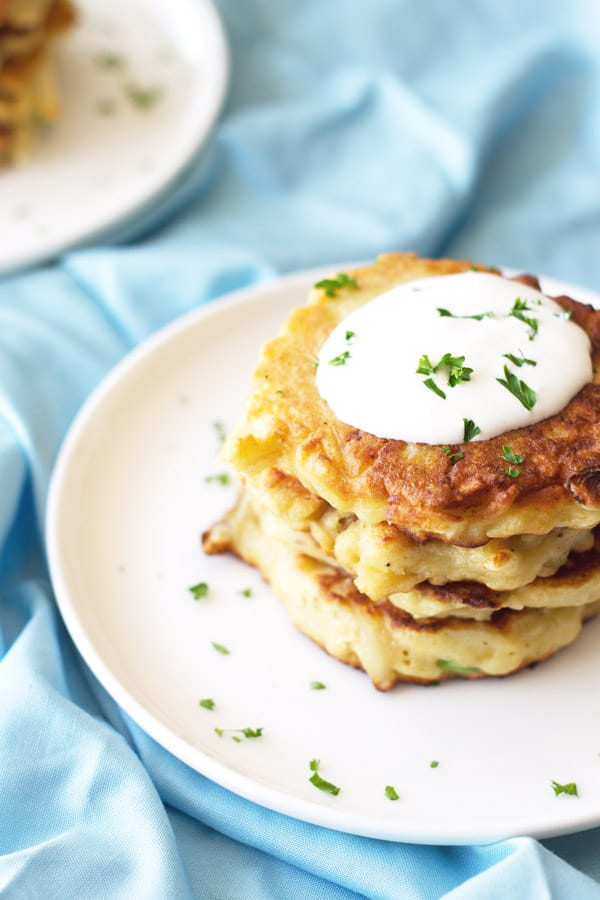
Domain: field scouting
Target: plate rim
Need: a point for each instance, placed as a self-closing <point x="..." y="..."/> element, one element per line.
<point x="51" y="248"/>
<point x="245" y="786"/>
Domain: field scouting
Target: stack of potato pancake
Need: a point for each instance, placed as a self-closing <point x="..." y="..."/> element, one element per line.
<point x="29" y="95"/>
<point x="415" y="562"/>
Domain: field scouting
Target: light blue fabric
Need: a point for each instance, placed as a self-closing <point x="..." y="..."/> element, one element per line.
<point x="470" y="129"/>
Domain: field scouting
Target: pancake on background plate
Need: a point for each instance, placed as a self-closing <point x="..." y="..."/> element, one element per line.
<point x="29" y="97"/>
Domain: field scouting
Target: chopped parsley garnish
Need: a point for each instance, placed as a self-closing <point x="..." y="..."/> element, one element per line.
<point x="198" y="591"/>
<point x="143" y="98"/>
<point x="518" y="388"/>
<point x="457" y="371"/>
<point x="317" y="686"/>
<point x="565" y="314"/>
<point x="390" y="792"/>
<point x="434" y="764"/>
<point x="332" y="285"/>
<point x="319" y="782"/>
<point x="221" y="478"/>
<point x="453" y="457"/>
<point x="425" y="366"/>
<point x="109" y="61"/>
<point x="350" y="335"/>
<point x="220" y="648"/>
<point x="430" y="383"/>
<point x="514" y="459"/>
<point x="246" y="592"/>
<point x="519" y="360"/>
<point x="246" y="732"/>
<point x="219" y="431"/>
<point x="251" y="732"/>
<point x="569" y="788"/>
<point x="207" y="703"/>
<point x="512" y="471"/>
<point x="341" y="359"/>
<point x="470" y="430"/>
<point x="478" y="317"/>
<point x="510" y="456"/>
<point x="448" y="665"/>
<point x="518" y="311"/>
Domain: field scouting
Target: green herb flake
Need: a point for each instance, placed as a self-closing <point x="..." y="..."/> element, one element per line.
<point x="569" y="788"/>
<point x="457" y="371"/>
<point x="222" y="478"/>
<point x="319" y="782"/>
<point x="221" y="649"/>
<point x="430" y="383"/>
<point x="519" y="360"/>
<point x="434" y="764"/>
<point x="207" y="703"/>
<point x="425" y="366"/>
<point x="565" y="314"/>
<point x="470" y="430"/>
<point x="198" y="591"/>
<point x="509" y="456"/>
<point x="236" y="732"/>
<point x="219" y="431"/>
<point x="448" y="665"/>
<point x="518" y="388"/>
<point x="453" y="457"/>
<point x="246" y="592"/>
<point x="110" y="61"/>
<point x="317" y="686"/>
<point x="341" y="359"/>
<point x="446" y="313"/>
<point x="390" y="792"/>
<point x="251" y="732"/>
<point x="143" y="98"/>
<point x="350" y="335"/>
<point x="332" y="285"/>
<point x="518" y="312"/>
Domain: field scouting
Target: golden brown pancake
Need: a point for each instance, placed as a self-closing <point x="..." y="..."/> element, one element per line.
<point x="383" y="560"/>
<point x="388" y="643"/>
<point x="28" y="90"/>
<point x="288" y="426"/>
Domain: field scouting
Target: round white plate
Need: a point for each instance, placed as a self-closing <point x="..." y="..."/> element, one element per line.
<point x="128" y="502"/>
<point x="142" y="83"/>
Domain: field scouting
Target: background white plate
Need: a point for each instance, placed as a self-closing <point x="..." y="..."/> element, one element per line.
<point x="127" y="504"/>
<point x="107" y="156"/>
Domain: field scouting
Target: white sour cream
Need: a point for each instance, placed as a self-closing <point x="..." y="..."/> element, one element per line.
<point x="367" y="366"/>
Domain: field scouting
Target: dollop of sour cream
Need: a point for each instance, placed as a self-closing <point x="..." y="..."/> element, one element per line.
<point x="491" y="352"/>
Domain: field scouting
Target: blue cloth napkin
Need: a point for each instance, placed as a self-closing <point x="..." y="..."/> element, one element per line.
<point x="467" y="129"/>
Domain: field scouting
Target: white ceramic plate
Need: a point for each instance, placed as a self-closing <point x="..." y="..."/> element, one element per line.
<point x="142" y="82"/>
<point x="127" y="505"/>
